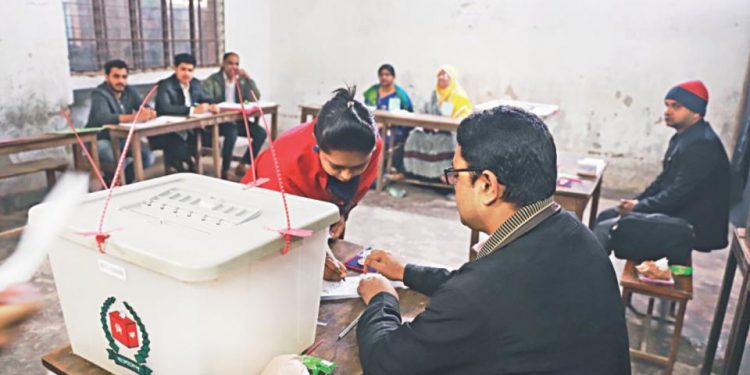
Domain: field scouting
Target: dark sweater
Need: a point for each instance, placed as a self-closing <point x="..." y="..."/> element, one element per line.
<point x="693" y="185"/>
<point x="547" y="303"/>
<point x="106" y="109"/>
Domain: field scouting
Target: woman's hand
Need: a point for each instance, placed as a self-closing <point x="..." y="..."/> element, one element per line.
<point x="337" y="230"/>
<point x="333" y="270"/>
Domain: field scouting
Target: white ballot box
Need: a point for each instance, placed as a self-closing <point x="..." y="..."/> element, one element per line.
<point x="192" y="280"/>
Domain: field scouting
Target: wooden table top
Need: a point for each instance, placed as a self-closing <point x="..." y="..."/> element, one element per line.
<point x="192" y="122"/>
<point x="336" y="314"/>
<point x="682" y="288"/>
<point x="567" y="164"/>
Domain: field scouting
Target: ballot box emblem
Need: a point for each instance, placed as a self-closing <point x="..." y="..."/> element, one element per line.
<point x="124" y="327"/>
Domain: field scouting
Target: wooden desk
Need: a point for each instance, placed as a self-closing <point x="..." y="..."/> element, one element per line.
<point x="121" y="132"/>
<point x="50" y="140"/>
<point x="574" y="198"/>
<point x="739" y="255"/>
<point x="336" y="314"/>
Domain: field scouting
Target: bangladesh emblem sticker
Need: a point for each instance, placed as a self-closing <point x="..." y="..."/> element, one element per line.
<point x="124" y="327"/>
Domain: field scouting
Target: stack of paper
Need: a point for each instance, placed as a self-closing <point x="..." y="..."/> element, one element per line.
<point x="336" y="290"/>
<point x="161" y="120"/>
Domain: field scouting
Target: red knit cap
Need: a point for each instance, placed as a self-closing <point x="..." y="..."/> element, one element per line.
<point x="697" y="88"/>
<point x="691" y="94"/>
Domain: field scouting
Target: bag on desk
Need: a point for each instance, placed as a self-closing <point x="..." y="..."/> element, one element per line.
<point x="638" y="237"/>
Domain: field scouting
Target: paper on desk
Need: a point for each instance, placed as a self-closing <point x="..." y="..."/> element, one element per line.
<point x="201" y="115"/>
<point x="161" y="120"/>
<point x="336" y="290"/>
<point x="230" y="106"/>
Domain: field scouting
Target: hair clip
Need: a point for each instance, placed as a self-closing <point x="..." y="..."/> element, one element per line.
<point x="349" y="104"/>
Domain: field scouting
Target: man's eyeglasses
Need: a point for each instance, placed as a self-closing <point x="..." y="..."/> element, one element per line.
<point x="451" y="174"/>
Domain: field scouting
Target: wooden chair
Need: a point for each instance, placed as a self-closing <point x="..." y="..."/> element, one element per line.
<point x="679" y="293"/>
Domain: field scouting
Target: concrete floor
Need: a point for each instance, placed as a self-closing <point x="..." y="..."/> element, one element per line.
<point x="422" y="227"/>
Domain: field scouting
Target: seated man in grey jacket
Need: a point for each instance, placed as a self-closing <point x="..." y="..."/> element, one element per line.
<point x="114" y="102"/>
<point x="540" y="298"/>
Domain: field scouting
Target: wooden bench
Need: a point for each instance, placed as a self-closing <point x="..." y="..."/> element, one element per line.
<point x="48" y="165"/>
<point x="680" y="293"/>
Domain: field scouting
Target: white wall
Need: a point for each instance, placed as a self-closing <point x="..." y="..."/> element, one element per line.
<point x="607" y="64"/>
<point x="34" y="77"/>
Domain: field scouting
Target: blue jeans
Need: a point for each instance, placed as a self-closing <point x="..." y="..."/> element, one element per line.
<point x="107" y="155"/>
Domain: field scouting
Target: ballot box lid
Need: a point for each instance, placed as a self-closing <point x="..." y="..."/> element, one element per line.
<point x="192" y="227"/>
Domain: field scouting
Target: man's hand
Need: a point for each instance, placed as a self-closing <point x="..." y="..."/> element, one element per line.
<point x="214" y="108"/>
<point x="333" y="270"/>
<point x="337" y="230"/>
<point x="386" y="264"/>
<point x="146" y="114"/>
<point x="201" y="108"/>
<point x="373" y="284"/>
<point x="242" y="73"/>
<point x="17" y="303"/>
<point x="626" y="206"/>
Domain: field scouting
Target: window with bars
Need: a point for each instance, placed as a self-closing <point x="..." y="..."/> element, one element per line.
<point x="144" y="33"/>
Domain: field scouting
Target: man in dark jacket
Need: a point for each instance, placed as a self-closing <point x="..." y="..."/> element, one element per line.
<point x="541" y="297"/>
<point x="220" y="86"/>
<point x="694" y="183"/>
<point x="114" y="102"/>
<point x="181" y="95"/>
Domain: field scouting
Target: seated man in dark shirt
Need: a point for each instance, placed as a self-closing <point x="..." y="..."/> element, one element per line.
<point x="693" y="187"/>
<point x="181" y="95"/>
<point x="220" y="86"/>
<point x="114" y="102"/>
<point x="541" y="297"/>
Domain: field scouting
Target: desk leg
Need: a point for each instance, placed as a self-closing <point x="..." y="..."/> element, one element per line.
<point x="274" y="124"/>
<point x="738" y="333"/>
<point x="389" y="162"/>
<point x="215" y="150"/>
<point x="137" y="159"/>
<point x="198" y="147"/>
<point x="94" y="151"/>
<point x="385" y="154"/>
<point x="720" y="312"/>
<point x="77" y="158"/>
<point x="117" y="152"/>
<point x="595" y="204"/>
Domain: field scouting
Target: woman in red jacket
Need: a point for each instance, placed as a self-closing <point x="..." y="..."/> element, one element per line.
<point x="333" y="158"/>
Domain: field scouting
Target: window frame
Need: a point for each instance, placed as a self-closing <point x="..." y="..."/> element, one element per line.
<point x="137" y="42"/>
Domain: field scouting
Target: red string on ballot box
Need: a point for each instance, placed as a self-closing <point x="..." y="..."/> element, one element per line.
<point x="84" y="148"/>
<point x="100" y="235"/>
<point x="287" y="232"/>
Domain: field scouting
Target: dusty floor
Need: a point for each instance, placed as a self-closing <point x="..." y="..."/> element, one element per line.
<point x="422" y="227"/>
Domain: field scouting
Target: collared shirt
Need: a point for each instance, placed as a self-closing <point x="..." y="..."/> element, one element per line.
<point x="510" y="226"/>
<point x="186" y="94"/>
<point x="229" y="90"/>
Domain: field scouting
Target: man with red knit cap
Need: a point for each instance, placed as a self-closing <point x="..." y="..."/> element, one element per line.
<point x="687" y="206"/>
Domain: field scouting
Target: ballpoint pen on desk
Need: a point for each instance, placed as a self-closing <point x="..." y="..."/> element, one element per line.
<point x="350" y="326"/>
